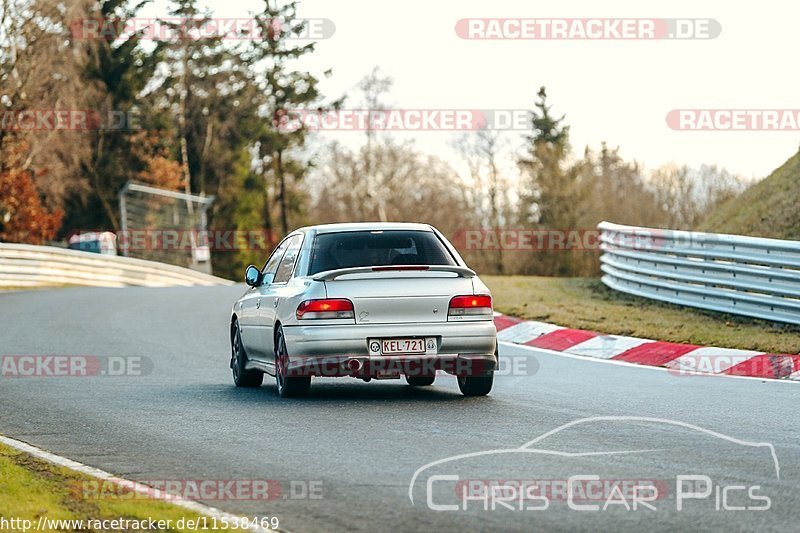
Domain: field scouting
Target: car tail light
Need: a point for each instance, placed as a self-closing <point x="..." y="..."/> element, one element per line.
<point x="328" y="308"/>
<point x="476" y="307"/>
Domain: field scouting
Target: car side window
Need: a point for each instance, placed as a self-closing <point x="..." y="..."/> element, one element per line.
<point x="268" y="274"/>
<point x="287" y="263"/>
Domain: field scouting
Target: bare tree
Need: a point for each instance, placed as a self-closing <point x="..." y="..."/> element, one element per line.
<point x="481" y="151"/>
<point x="41" y="67"/>
<point x="423" y="188"/>
<point x="374" y="87"/>
<point x="687" y="195"/>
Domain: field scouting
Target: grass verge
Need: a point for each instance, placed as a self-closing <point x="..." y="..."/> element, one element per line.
<point x="30" y="488"/>
<point x="585" y="303"/>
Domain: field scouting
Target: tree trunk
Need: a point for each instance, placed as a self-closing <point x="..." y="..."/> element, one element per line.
<point x="277" y="167"/>
<point x="266" y="211"/>
<point x="187" y="177"/>
<point x="112" y="216"/>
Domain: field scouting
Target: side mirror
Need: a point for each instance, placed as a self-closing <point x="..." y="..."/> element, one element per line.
<point x="252" y="276"/>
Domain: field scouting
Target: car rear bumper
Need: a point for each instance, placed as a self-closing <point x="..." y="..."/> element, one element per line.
<point x="462" y="348"/>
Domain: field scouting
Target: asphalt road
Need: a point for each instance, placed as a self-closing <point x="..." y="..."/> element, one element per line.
<point x="358" y="445"/>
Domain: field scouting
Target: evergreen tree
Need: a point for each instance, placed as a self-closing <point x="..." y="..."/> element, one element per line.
<point x="120" y="68"/>
<point x="550" y="196"/>
<point x="284" y="91"/>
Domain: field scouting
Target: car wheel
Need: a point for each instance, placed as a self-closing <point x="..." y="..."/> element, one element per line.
<point x="241" y="376"/>
<point x="288" y="387"/>
<point x="476" y="385"/>
<point x="420" y="381"/>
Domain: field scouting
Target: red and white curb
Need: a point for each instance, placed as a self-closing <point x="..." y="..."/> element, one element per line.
<point x="682" y="359"/>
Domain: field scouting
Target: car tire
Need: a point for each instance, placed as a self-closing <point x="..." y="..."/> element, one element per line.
<point x="288" y="387"/>
<point x="420" y="381"/>
<point x="241" y="376"/>
<point x="476" y="385"/>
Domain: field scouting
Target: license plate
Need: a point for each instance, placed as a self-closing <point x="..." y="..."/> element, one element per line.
<point x="402" y="346"/>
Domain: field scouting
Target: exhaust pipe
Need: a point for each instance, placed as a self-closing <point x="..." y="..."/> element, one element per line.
<point x="354" y="365"/>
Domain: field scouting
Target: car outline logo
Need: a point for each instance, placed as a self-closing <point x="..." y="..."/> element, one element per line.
<point x="525" y="448"/>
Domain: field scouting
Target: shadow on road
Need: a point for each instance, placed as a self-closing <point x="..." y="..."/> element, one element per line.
<point x="331" y="393"/>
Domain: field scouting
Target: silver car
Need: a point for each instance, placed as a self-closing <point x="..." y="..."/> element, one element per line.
<point x="366" y="300"/>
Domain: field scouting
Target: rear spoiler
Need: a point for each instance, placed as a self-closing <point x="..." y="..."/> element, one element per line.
<point x="330" y="275"/>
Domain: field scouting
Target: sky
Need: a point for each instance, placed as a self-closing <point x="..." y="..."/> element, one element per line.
<point x="617" y="91"/>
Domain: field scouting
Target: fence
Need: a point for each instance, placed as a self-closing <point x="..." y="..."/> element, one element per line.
<point x="24" y="265"/>
<point x="747" y="276"/>
<point x="143" y="207"/>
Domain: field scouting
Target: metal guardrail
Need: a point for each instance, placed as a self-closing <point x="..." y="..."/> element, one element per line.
<point x="747" y="276"/>
<point x="25" y="265"/>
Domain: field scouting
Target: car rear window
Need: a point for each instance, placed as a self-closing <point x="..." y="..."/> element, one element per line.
<point x="377" y="248"/>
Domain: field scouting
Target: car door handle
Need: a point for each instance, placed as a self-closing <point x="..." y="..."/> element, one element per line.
<point x="258" y="304"/>
<point x="275" y="303"/>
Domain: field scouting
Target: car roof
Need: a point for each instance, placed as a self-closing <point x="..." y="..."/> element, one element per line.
<point x="367" y="226"/>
